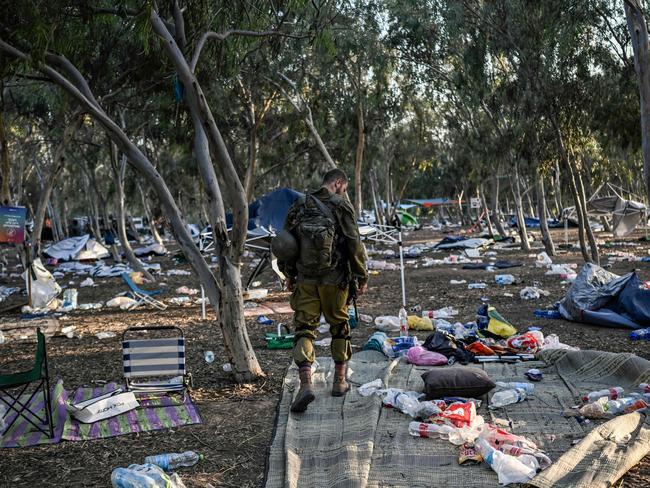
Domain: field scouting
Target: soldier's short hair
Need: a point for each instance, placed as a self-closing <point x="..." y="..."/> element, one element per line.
<point x="334" y="174"/>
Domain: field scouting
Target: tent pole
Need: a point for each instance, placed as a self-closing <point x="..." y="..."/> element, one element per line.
<point x="401" y="267"/>
<point x="203" y="316"/>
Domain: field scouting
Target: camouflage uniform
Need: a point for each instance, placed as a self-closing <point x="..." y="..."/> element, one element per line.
<point x="326" y="293"/>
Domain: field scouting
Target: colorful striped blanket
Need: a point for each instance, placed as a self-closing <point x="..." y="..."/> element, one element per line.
<point x="154" y="413"/>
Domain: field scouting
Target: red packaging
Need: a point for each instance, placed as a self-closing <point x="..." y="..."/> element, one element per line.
<point x="456" y="414"/>
<point x="480" y="349"/>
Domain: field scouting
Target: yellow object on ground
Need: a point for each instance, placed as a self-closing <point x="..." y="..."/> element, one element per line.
<point x="420" y="323"/>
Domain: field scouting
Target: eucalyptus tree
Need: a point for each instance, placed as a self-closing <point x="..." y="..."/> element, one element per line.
<point x="29" y="50"/>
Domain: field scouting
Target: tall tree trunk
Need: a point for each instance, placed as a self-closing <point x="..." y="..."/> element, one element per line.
<point x="519" y="210"/>
<point x="487" y="212"/>
<point x="376" y="197"/>
<point x="249" y="179"/>
<point x="147" y="211"/>
<point x="638" y="29"/>
<point x="494" y="206"/>
<point x="230" y="305"/>
<point x="588" y="230"/>
<point x="78" y="89"/>
<point x="119" y="169"/>
<point x="48" y="184"/>
<point x="358" y="159"/>
<point x="547" y="239"/>
<point x="5" y="163"/>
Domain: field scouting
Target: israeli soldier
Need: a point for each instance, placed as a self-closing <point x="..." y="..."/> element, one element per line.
<point x="327" y="257"/>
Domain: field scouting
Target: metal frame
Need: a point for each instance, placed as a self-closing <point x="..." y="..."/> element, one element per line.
<point x="188" y="381"/>
<point x="43" y="384"/>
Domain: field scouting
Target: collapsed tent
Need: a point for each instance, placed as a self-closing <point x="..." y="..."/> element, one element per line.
<point x="153" y="249"/>
<point x="459" y="242"/>
<point x="626" y="214"/>
<point x="81" y="248"/>
<point x="599" y="297"/>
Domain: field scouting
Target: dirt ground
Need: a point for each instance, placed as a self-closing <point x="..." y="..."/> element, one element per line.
<point x="238" y="420"/>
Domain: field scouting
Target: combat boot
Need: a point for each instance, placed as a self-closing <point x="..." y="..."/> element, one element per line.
<point x="340" y="387"/>
<point x="306" y="393"/>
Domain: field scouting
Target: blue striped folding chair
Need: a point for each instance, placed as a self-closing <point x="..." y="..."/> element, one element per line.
<point x="143" y="296"/>
<point x="155" y="365"/>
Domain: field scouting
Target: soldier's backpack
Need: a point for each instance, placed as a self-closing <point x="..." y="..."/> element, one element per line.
<point x="316" y="232"/>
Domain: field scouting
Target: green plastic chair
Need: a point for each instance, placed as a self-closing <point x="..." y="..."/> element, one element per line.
<point x="13" y="387"/>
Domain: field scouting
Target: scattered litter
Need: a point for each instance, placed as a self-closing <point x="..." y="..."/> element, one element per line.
<point x="476" y="286"/>
<point x="177" y="272"/>
<point x="264" y="320"/>
<point x="184" y="290"/>
<point x="68" y="331"/>
<point x="365" y="318"/>
<point x="105" y="335"/>
<point x="208" y="356"/>
<point x="180" y="301"/>
<point x="543" y="260"/>
<point x="87" y="282"/>
<point x="442" y="313"/>
<point x="457" y="282"/>
<point x="534" y="375"/>
<point x="325" y="342"/>
<point x="381" y="265"/>
<point x="227" y="367"/>
<point x="122" y="302"/>
<point x="504" y="279"/>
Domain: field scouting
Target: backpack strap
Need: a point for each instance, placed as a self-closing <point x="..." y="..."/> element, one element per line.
<point x="323" y="208"/>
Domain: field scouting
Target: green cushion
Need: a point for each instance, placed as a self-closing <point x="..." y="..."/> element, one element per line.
<point x="36" y="373"/>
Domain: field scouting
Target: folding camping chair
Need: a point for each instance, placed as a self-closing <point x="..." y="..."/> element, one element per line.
<point x="15" y="385"/>
<point x="143" y="296"/>
<point x="162" y="360"/>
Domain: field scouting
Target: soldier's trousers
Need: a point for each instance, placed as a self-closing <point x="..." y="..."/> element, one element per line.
<point x="308" y="302"/>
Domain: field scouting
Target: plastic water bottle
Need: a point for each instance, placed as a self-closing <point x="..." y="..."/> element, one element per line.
<point x="174" y="460"/>
<point x="640" y="335"/>
<point x="548" y="314"/>
<point x="353" y="320"/>
<point x="403" y="323"/>
<point x="421" y="429"/>
<point x="510" y="469"/>
<point x="611" y="393"/>
<point x="504" y="279"/>
<point x="529" y="388"/>
<point x="507" y="397"/>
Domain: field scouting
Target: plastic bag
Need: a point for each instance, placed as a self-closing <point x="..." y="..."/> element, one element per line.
<point x="419" y="323"/>
<point x="528" y="341"/>
<point x="144" y="476"/>
<point x="387" y="323"/>
<point x="370" y="388"/>
<point x="419" y="356"/>
<point x="552" y="341"/>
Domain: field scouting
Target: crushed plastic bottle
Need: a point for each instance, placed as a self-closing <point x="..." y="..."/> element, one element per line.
<point x="507" y="397"/>
<point x="640" y="335"/>
<point x="611" y="393"/>
<point x="174" y="460"/>
<point x="209" y="357"/>
<point x="529" y="388"/>
<point x="509" y="469"/>
<point x="548" y="314"/>
<point x="504" y="279"/>
<point x="144" y="476"/>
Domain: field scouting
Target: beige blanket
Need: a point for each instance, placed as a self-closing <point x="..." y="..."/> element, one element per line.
<point x="355" y="442"/>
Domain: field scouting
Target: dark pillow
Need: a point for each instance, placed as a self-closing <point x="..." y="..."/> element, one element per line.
<point x="456" y="381"/>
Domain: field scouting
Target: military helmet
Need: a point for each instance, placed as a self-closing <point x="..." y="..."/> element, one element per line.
<point x="284" y="246"/>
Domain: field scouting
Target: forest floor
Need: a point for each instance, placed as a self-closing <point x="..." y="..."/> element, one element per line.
<point x="238" y="420"/>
